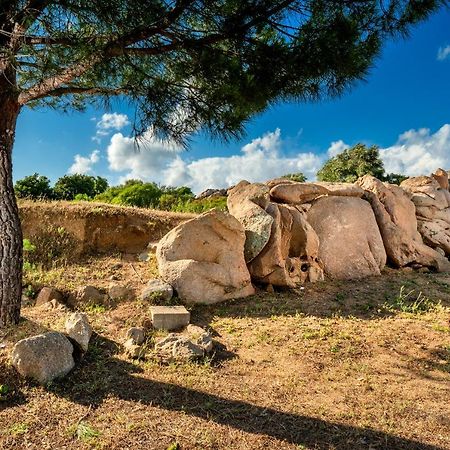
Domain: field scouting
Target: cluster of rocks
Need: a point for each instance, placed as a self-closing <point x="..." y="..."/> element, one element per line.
<point x="53" y="355"/>
<point x="190" y="342"/>
<point x="284" y="233"/>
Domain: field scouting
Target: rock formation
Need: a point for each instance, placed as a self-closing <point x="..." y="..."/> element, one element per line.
<point x="351" y="246"/>
<point x="432" y="199"/>
<point x="396" y="217"/>
<point x="203" y="259"/>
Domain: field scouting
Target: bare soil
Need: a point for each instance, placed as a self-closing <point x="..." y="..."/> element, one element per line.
<point x="336" y="365"/>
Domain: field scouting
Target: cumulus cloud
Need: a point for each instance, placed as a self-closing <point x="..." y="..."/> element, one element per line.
<point x="418" y="152"/>
<point x="337" y="147"/>
<point x="109" y="123"/>
<point x="83" y="164"/>
<point x="259" y="160"/>
<point x="443" y="53"/>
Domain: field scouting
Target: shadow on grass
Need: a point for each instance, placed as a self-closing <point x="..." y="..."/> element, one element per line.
<point x="363" y="299"/>
<point x="101" y="375"/>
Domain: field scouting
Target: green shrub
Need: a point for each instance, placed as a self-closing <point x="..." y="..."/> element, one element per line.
<point x="34" y="187"/>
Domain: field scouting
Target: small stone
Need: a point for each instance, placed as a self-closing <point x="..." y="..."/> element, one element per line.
<point x="143" y="257"/>
<point x="185" y="349"/>
<point x="114" y="278"/>
<point x="54" y="304"/>
<point x="157" y="289"/>
<point x="201" y="337"/>
<point x="79" y="329"/>
<point x="133" y="350"/>
<point x="137" y="335"/>
<point x="169" y="317"/>
<point x="116" y="266"/>
<point x="43" y="357"/>
<point x="88" y="294"/>
<point x="165" y="345"/>
<point x="118" y="292"/>
<point x="47" y="294"/>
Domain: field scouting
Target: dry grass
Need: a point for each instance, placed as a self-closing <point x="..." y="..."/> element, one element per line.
<point x="338" y="365"/>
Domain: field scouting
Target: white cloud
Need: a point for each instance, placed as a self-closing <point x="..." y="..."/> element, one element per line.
<point x="443" y="53"/>
<point x="418" y="152"/>
<point x="337" y="147"/>
<point x="259" y="160"/>
<point x="83" y="164"/>
<point x="108" y="123"/>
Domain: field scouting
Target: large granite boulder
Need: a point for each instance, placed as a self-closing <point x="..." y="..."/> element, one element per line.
<point x="291" y="256"/>
<point x="297" y="193"/>
<point x="351" y="246"/>
<point x="203" y="259"/>
<point x="432" y="200"/>
<point x="247" y="203"/>
<point x="43" y="357"/>
<point x="396" y="217"/>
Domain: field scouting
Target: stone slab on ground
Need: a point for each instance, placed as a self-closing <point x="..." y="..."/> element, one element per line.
<point x="169" y="317"/>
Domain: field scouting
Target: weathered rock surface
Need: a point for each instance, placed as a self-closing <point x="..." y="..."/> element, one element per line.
<point x="351" y="246"/>
<point x="203" y="259"/>
<point x="119" y="292"/>
<point x="136" y="334"/>
<point x="79" y="329"/>
<point x="247" y="203"/>
<point x="342" y="189"/>
<point x="441" y="176"/>
<point x="396" y="218"/>
<point x="195" y="342"/>
<point x="133" y="350"/>
<point x="157" y="290"/>
<point x="432" y="200"/>
<point x="43" y="357"/>
<point x="47" y="294"/>
<point x="297" y="193"/>
<point x="88" y="295"/>
<point x="291" y="256"/>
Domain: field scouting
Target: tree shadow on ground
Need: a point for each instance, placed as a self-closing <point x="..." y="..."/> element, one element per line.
<point x="367" y="299"/>
<point x="102" y="375"/>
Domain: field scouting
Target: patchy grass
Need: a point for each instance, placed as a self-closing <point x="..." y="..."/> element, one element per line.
<point x="337" y="365"/>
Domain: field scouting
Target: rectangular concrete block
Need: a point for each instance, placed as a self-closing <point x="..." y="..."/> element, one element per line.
<point x="169" y="317"/>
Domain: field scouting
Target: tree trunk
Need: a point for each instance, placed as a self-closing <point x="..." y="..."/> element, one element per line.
<point x="10" y="229"/>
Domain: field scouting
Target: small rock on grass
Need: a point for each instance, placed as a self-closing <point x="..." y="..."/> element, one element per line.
<point x="79" y="329"/>
<point x="157" y="290"/>
<point x="133" y="350"/>
<point x="118" y="292"/>
<point x="43" y="357"/>
<point x="137" y="334"/>
<point x="47" y="294"/>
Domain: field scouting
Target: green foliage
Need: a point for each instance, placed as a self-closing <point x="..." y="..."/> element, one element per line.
<point x="202" y="205"/>
<point x="394" y="178"/>
<point x="410" y="302"/>
<point x="34" y="187"/>
<point x="299" y="177"/>
<point x="4" y="391"/>
<point x="198" y="65"/>
<point x="351" y="164"/>
<point x="69" y="186"/>
<point x="85" y="432"/>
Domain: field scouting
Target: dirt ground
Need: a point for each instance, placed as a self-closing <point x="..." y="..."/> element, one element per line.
<point x="336" y="365"/>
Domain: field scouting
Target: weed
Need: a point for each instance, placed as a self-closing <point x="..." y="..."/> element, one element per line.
<point x="410" y="302"/>
<point x="4" y="391"/>
<point x="174" y="446"/>
<point x="85" y="432"/>
<point x="18" y="428"/>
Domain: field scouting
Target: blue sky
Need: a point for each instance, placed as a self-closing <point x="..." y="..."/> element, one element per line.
<point x="403" y="106"/>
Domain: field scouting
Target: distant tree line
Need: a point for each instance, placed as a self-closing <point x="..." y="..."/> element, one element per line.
<point x="347" y="166"/>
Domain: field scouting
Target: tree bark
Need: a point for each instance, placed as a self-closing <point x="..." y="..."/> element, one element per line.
<point x="10" y="229"/>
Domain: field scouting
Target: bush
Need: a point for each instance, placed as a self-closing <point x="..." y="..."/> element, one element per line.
<point x="353" y="163"/>
<point x="299" y="177"/>
<point x="69" y="186"/>
<point x="202" y="205"/>
<point x="34" y="187"/>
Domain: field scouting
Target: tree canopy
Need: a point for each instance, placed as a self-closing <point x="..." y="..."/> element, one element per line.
<point x="190" y="64"/>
